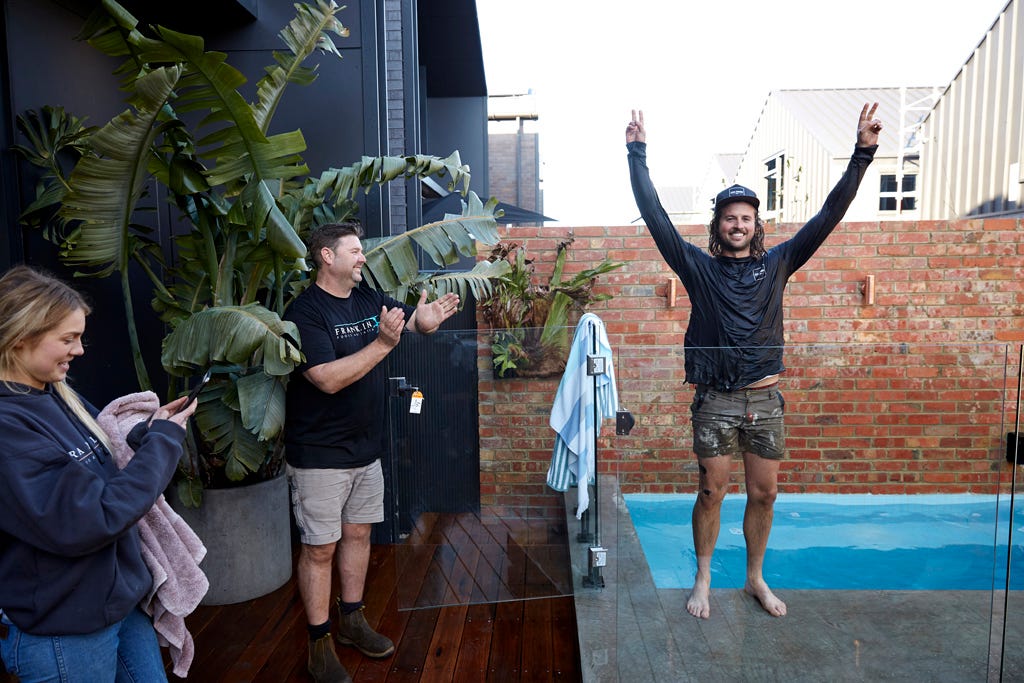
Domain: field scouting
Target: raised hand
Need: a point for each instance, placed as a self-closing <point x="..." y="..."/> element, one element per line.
<point x="430" y="316"/>
<point x="635" y="131"/>
<point x="868" y="127"/>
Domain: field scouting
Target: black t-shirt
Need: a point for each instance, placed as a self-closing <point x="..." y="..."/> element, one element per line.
<point x="735" y="333"/>
<point x="345" y="429"/>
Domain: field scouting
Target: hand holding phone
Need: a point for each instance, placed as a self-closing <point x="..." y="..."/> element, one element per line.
<point x="194" y="394"/>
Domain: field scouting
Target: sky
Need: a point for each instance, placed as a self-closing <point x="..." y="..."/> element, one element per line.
<point x="701" y="71"/>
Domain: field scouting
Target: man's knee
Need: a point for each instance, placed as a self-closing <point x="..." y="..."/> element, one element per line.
<point x="762" y="494"/>
<point x="714" y="476"/>
<point x="356" y="533"/>
<point x="710" y="494"/>
<point x="318" y="554"/>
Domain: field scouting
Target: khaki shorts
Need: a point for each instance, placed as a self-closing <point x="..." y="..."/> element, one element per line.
<point x="323" y="500"/>
<point x="736" y="422"/>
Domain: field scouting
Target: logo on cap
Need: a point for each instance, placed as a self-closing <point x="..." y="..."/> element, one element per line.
<point x="737" y="193"/>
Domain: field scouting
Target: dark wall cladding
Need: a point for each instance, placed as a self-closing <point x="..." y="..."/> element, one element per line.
<point x="80" y="79"/>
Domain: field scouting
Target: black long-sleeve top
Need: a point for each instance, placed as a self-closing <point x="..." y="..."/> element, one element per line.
<point x="735" y="334"/>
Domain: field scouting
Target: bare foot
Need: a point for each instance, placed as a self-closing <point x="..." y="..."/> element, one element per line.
<point x="771" y="604"/>
<point x="699" y="602"/>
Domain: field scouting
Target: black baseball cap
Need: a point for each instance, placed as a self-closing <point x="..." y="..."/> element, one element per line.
<point x="737" y="193"/>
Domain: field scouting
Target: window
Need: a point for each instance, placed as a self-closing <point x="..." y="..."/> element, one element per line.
<point x="891" y="200"/>
<point x="909" y="200"/>
<point x="774" y="181"/>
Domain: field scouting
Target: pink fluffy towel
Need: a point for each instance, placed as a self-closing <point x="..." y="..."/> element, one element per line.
<point x="170" y="548"/>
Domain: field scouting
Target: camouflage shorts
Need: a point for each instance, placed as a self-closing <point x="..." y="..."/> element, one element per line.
<point x="736" y="422"/>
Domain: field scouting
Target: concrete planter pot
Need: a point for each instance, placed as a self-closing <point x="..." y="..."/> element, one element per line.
<point x="247" y="533"/>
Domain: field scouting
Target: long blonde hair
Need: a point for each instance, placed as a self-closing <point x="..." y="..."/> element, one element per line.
<point x="31" y="304"/>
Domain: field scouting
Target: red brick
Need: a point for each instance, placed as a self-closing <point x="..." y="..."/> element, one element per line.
<point x="865" y="413"/>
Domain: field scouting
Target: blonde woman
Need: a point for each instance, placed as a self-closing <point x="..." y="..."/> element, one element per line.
<point x="71" y="572"/>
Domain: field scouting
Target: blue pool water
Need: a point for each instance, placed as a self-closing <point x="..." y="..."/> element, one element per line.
<point x="844" y="542"/>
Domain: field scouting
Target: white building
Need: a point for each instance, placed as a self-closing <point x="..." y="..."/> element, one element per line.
<point x="802" y="143"/>
<point x="974" y="137"/>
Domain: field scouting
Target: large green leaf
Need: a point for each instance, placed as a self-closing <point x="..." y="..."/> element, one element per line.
<point x="261" y="401"/>
<point x="209" y="84"/>
<point x="240" y="418"/>
<point x="266" y="215"/>
<point x="52" y="135"/>
<point x="238" y="448"/>
<point x="479" y="281"/>
<point x="344" y="183"/>
<point x="239" y="335"/>
<point x="105" y="188"/>
<point x="305" y="33"/>
<point x="392" y="263"/>
<point x="111" y="30"/>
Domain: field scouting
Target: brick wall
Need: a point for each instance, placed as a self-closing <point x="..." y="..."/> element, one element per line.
<point x="513" y="166"/>
<point x="911" y="394"/>
<point x="395" y="119"/>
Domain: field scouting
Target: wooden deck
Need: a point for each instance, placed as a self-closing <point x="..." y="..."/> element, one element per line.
<point x="464" y="599"/>
<point x="506" y="617"/>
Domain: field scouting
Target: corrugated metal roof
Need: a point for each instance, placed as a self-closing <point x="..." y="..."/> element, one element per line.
<point x="830" y="115"/>
<point x="679" y="199"/>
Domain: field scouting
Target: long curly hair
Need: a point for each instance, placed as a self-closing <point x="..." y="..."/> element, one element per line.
<point x="757" y="249"/>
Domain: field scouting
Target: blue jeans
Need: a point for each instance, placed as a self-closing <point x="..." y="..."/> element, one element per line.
<point x="125" y="652"/>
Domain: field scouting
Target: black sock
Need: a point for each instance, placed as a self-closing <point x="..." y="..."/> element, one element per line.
<point x="349" y="607"/>
<point x="316" y="632"/>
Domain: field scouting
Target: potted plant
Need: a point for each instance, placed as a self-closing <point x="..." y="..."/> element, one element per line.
<point x="530" y="319"/>
<point x="247" y="199"/>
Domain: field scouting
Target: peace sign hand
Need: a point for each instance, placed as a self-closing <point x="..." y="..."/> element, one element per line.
<point x="635" y="131"/>
<point x="868" y="127"/>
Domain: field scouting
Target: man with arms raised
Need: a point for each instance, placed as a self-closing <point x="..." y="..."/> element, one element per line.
<point x="733" y="346"/>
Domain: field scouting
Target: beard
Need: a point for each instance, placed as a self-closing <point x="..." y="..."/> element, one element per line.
<point x="731" y="247"/>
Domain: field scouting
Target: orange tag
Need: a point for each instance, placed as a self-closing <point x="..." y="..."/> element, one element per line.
<point x="417" y="402"/>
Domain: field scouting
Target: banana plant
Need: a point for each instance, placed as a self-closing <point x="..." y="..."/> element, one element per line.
<point x="530" y="319"/>
<point x="53" y="136"/>
<point x="248" y="199"/>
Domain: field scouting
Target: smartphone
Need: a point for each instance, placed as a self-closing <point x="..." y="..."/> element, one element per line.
<point x="194" y="394"/>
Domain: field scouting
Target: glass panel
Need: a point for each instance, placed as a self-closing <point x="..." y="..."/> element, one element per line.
<point x="474" y="518"/>
<point x="1007" y="662"/>
<point x="887" y="528"/>
<point x="882" y="439"/>
<point x="887" y="183"/>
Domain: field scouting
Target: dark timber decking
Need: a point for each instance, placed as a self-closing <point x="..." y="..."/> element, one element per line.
<point x="464" y="599"/>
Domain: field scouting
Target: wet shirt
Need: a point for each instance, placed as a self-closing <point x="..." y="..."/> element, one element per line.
<point x="735" y="333"/>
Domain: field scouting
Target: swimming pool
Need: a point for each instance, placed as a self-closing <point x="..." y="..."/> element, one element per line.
<point x="843" y="541"/>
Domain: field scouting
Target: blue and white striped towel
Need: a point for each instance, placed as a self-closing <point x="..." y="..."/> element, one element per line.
<point x="572" y="415"/>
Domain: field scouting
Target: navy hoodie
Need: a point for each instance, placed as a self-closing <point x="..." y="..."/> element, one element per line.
<point x="70" y="559"/>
